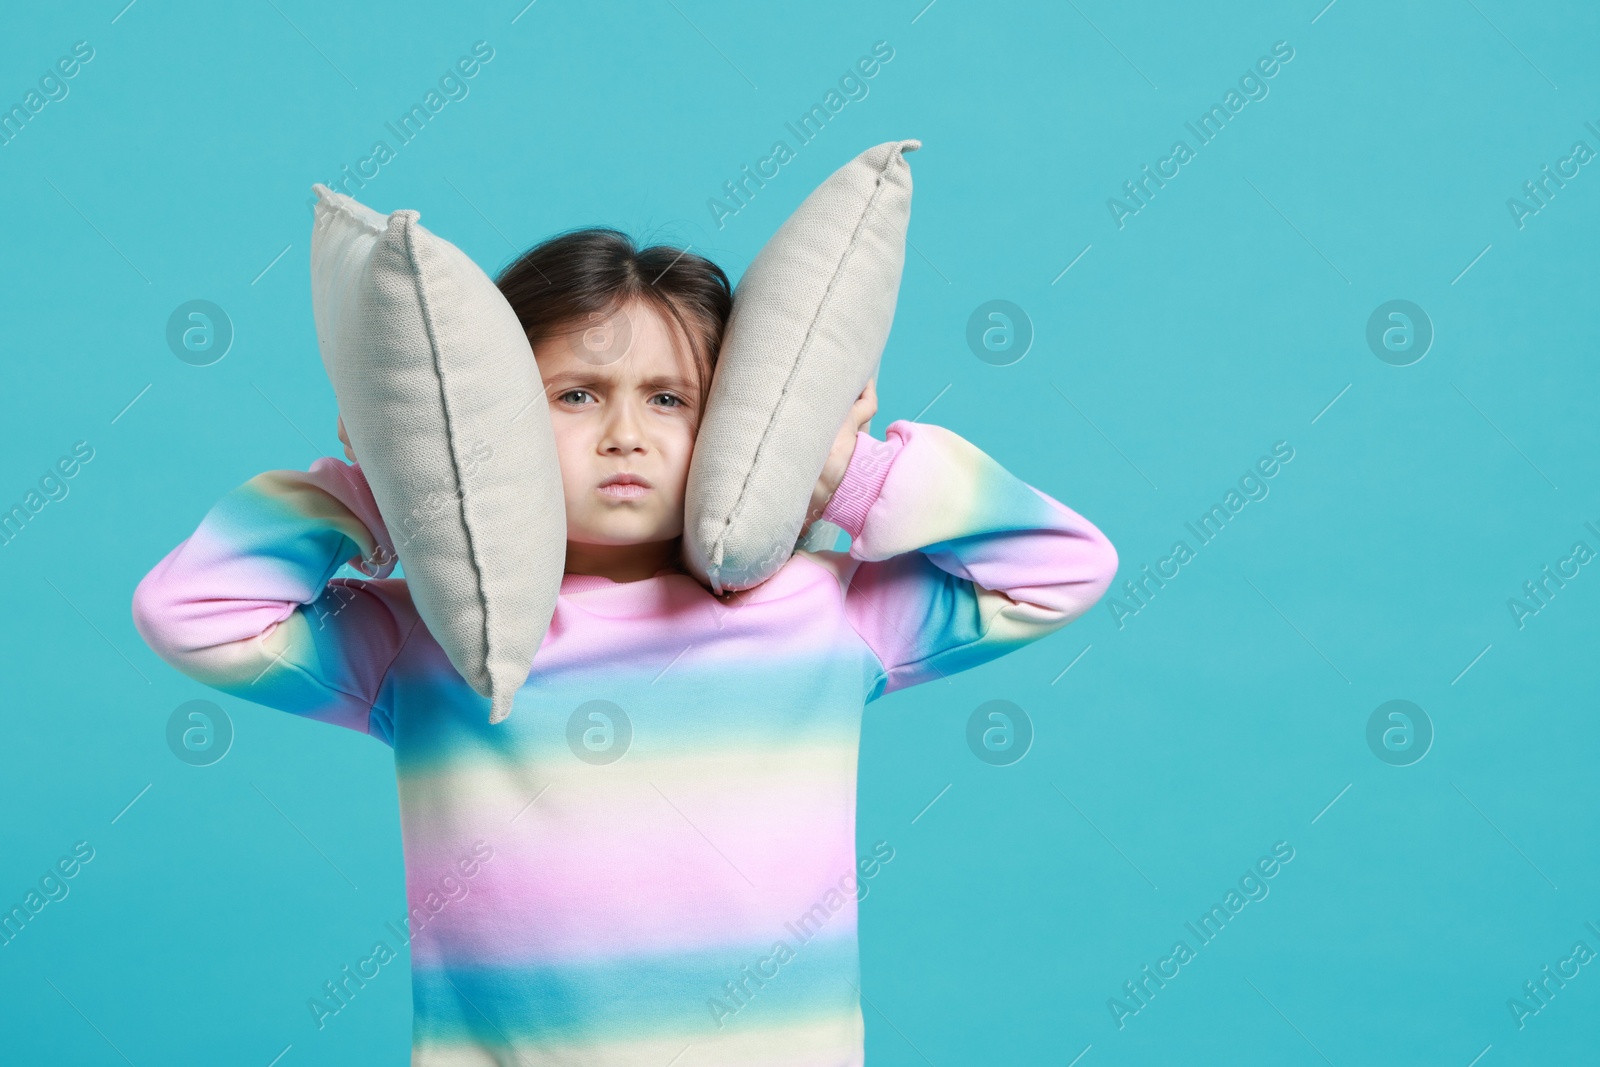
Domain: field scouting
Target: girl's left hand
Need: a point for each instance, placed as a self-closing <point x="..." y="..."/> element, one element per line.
<point x="348" y="452"/>
<point x="844" y="446"/>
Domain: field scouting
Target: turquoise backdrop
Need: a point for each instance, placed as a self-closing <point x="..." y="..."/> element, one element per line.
<point x="1172" y="317"/>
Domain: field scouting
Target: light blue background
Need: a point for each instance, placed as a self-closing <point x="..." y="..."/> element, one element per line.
<point x="1223" y="318"/>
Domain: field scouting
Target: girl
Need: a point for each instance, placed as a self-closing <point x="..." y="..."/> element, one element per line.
<point x="654" y="857"/>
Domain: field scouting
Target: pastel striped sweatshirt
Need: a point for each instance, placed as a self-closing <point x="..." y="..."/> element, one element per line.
<point x="653" y="860"/>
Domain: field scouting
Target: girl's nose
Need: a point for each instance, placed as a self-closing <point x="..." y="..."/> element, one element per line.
<point x="623" y="428"/>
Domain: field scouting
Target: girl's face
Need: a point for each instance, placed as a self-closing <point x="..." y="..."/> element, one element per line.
<point x="624" y="408"/>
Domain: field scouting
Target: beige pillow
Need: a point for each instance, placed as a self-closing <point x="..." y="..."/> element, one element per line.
<point x="810" y="318"/>
<point x="443" y="403"/>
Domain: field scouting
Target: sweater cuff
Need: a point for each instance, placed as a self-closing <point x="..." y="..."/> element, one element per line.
<point x="863" y="480"/>
<point x="347" y="483"/>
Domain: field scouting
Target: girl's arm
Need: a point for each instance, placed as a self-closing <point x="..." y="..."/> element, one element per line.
<point x="245" y="604"/>
<point x="960" y="560"/>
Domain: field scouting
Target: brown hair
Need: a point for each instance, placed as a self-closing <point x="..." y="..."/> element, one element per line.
<point x="580" y="275"/>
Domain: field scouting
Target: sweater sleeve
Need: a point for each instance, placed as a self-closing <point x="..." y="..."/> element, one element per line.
<point x="247" y="603"/>
<point x="960" y="560"/>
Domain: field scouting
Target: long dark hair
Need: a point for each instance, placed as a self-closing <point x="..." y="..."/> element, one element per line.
<point x="582" y="275"/>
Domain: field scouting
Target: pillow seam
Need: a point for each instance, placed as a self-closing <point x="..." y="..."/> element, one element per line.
<point x="450" y="434"/>
<point x="343" y="209"/>
<point x="718" y="545"/>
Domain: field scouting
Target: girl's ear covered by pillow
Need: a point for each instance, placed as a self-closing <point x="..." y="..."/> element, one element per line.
<point x="810" y="319"/>
<point x="439" y="395"/>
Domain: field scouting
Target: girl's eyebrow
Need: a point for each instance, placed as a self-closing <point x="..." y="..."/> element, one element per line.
<point x="589" y="379"/>
<point x="670" y="381"/>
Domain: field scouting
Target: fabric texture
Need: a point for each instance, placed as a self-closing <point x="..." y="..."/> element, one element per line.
<point x="661" y="841"/>
<point x="810" y="318"/>
<point x="445" y="409"/>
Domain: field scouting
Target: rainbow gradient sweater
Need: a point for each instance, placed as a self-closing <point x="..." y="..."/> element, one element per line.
<point x="661" y="839"/>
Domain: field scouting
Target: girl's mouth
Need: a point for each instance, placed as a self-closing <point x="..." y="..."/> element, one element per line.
<point x="625" y="485"/>
<point x="624" y="490"/>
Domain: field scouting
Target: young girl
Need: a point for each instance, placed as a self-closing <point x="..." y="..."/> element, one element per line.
<point x="653" y="860"/>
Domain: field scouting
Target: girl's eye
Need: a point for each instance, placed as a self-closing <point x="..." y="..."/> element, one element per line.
<point x="566" y="397"/>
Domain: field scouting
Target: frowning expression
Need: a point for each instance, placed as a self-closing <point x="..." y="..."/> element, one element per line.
<point x="624" y="407"/>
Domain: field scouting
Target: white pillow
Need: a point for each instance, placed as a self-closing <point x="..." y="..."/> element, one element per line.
<point x="445" y="408"/>
<point x="810" y="318"/>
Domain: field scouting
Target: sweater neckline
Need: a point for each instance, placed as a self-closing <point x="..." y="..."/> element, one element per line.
<point x="578" y="583"/>
<point x="670" y="591"/>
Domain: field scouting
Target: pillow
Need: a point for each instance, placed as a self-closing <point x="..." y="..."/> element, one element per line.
<point x="810" y="318"/>
<point x="443" y="403"/>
